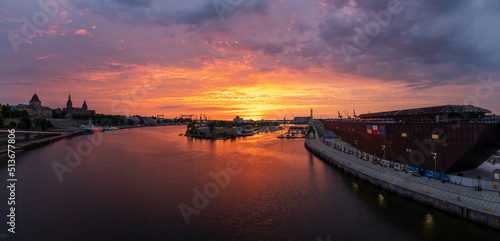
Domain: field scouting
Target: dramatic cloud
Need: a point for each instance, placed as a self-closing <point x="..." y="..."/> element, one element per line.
<point x="252" y="58"/>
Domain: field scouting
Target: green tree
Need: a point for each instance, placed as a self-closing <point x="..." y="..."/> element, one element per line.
<point x="6" y="111"/>
<point x="43" y="124"/>
<point x="2" y="121"/>
<point x="191" y="128"/>
<point x="26" y="122"/>
<point x="212" y="125"/>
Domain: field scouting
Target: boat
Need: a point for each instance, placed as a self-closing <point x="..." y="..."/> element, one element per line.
<point x="447" y="138"/>
<point x="90" y="127"/>
<point x="281" y="136"/>
<point x="181" y="134"/>
<point x="111" y="128"/>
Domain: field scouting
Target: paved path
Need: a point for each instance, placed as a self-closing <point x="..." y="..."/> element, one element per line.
<point x="476" y="200"/>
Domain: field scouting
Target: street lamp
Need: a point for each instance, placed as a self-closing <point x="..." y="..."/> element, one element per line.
<point x="383" y="149"/>
<point x="434" y="155"/>
<point x="356" y="142"/>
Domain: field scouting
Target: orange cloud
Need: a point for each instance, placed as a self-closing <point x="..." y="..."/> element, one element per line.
<point x="82" y="32"/>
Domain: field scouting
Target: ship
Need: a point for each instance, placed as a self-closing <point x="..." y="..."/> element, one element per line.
<point x="447" y="138"/>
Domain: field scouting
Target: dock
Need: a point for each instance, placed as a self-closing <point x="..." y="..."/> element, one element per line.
<point x="482" y="207"/>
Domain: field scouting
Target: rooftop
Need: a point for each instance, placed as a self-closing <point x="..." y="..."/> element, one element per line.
<point x="426" y="111"/>
<point x="35" y="98"/>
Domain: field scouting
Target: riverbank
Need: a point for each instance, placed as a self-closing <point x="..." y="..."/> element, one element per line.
<point x="40" y="141"/>
<point x="482" y="207"/>
<point x="49" y="139"/>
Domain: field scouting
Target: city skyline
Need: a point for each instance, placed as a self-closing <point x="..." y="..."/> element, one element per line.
<point x="256" y="59"/>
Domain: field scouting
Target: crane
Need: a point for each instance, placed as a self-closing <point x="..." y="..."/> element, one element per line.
<point x="340" y="116"/>
<point x="347" y="114"/>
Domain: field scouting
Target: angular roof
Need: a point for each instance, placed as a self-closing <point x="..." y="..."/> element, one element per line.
<point x="35" y="98"/>
<point x="434" y="110"/>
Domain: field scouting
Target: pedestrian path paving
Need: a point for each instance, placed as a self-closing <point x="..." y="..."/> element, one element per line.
<point x="482" y="201"/>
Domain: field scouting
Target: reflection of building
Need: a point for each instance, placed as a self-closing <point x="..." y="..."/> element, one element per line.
<point x="35" y="108"/>
<point x="77" y="111"/>
<point x="238" y="119"/>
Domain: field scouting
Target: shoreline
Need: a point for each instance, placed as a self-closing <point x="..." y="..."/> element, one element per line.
<point x="50" y="139"/>
<point x="41" y="141"/>
<point x="481" y="207"/>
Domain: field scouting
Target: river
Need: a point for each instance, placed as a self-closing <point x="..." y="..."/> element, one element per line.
<point x="132" y="185"/>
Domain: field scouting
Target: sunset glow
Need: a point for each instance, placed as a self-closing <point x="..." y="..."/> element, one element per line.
<point x="264" y="59"/>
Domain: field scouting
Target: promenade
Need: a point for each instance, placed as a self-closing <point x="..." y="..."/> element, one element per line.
<point x="479" y="206"/>
<point x="36" y="142"/>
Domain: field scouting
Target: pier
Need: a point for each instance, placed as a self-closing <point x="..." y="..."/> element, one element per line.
<point x="482" y="207"/>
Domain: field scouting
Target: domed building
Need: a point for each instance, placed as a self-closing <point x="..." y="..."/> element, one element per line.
<point x="35" y="109"/>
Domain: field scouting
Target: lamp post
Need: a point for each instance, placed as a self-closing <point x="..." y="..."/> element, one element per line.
<point x="383" y="149"/>
<point x="434" y="155"/>
<point x="356" y="142"/>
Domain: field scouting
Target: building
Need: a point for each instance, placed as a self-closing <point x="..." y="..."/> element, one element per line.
<point x="35" y="109"/>
<point x="238" y="119"/>
<point x="75" y="110"/>
<point x="447" y="138"/>
<point x="301" y="120"/>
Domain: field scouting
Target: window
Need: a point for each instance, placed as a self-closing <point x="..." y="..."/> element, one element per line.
<point x="404" y="134"/>
<point x="409" y="150"/>
<point x="435" y="136"/>
<point x="497" y="176"/>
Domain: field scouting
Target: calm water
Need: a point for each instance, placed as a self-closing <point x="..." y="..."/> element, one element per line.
<point x="129" y="187"/>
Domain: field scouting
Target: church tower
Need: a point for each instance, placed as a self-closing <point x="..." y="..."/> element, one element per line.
<point x="69" y="105"/>
<point x="84" y="106"/>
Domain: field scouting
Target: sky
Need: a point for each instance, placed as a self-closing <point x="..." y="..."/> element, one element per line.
<point x="252" y="58"/>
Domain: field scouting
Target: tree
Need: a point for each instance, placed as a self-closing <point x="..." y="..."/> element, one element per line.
<point x="6" y="112"/>
<point x="130" y="122"/>
<point x="212" y="125"/>
<point x="43" y="124"/>
<point x="2" y="123"/>
<point x="191" y="128"/>
<point x="26" y="122"/>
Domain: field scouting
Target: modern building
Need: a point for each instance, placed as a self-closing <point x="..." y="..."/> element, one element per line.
<point x="35" y="109"/>
<point x="450" y="138"/>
